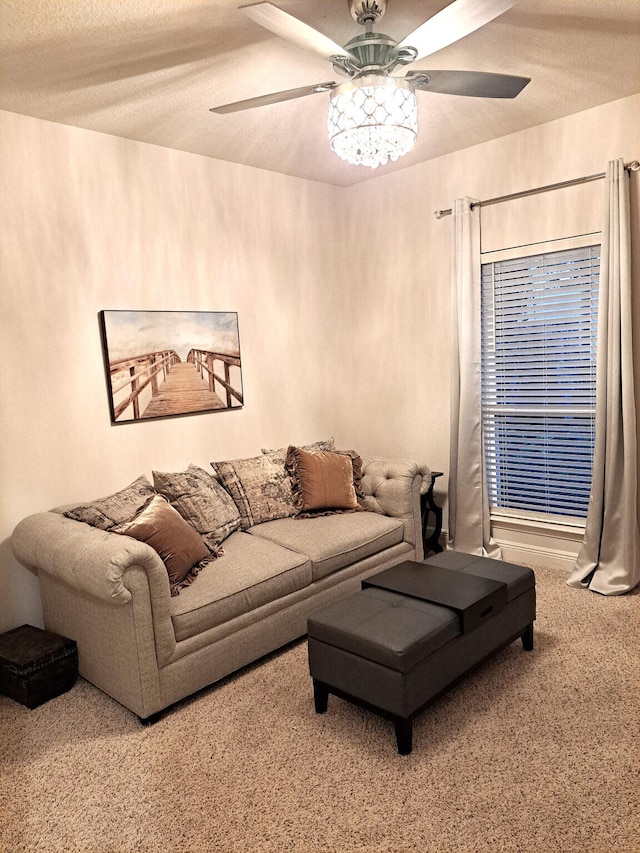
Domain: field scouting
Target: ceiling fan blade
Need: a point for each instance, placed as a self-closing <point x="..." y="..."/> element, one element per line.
<point x="455" y="21"/>
<point x="274" y="98"/>
<point x="291" y="29"/>
<point x="474" y="84"/>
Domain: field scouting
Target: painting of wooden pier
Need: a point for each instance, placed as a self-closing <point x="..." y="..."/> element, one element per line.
<point x="165" y="363"/>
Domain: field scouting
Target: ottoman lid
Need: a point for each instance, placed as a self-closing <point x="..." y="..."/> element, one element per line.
<point x="27" y="648"/>
<point x="517" y="578"/>
<point x="391" y="629"/>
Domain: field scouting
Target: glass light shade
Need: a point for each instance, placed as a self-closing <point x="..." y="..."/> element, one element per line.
<point x="372" y="120"/>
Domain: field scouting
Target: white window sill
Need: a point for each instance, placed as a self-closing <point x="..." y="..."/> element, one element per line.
<point x="538" y="541"/>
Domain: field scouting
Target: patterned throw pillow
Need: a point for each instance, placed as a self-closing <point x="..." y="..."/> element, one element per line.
<point x="260" y="487"/>
<point x="200" y="499"/>
<point x="118" y="508"/>
<point x="280" y="454"/>
<point x="176" y="541"/>
<point x="326" y="482"/>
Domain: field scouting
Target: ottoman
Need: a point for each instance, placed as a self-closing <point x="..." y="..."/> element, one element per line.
<point x="415" y="630"/>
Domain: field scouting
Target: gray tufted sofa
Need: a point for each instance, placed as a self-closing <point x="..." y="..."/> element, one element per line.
<point x="148" y="650"/>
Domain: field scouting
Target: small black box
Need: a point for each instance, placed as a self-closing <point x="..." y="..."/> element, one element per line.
<point x="36" y="665"/>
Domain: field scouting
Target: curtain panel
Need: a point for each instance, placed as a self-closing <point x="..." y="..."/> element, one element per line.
<point x="469" y="521"/>
<point x="608" y="561"/>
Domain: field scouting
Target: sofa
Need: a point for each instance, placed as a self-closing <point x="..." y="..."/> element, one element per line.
<point x="149" y="636"/>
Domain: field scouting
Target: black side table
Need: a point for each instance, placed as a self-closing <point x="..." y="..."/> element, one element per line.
<point x="428" y="505"/>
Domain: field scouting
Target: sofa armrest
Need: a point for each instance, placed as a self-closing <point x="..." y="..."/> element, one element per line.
<point x="393" y="487"/>
<point x="89" y="559"/>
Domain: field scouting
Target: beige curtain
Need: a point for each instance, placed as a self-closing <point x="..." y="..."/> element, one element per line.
<point x="609" y="560"/>
<point x="469" y="524"/>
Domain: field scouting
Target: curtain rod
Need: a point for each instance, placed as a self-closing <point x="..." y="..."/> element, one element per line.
<point x="630" y="167"/>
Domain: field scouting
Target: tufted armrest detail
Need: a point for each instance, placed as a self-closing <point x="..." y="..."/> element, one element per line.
<point x="389" y="485"/>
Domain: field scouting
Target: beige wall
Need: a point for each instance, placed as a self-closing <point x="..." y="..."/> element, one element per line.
<point x="342" y="295"/>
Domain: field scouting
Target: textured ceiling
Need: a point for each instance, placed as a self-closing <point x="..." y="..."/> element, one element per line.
<point x="150" y="69"/>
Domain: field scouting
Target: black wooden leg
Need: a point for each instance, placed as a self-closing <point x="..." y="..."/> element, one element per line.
<point x="320" y="696"/>
<point x="404" y="735"/>
<point x="152" y="720"/>
<point x="527" y="638"/>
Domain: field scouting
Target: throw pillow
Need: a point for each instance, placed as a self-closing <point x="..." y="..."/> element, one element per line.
<point x="326" y="482"/>
<point x="118" y="508"/>
<point x="260" y="487"/>
<point x="280" y="454"/>
<point x="200" y="499"/>
<point x="178" y="543"/>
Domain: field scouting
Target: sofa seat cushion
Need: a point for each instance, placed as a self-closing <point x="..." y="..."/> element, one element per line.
<point x="333" y="541"/>
<point x="252" y="572"/>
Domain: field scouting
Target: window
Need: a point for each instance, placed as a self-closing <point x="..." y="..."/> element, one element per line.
<point x="539" y="319"/>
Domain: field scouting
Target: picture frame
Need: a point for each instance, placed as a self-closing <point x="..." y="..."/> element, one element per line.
<point x="162" y="364"/>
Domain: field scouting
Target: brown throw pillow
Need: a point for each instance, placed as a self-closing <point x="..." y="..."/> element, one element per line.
<point x="175" y="540"/>
<point x="325" y="482"/>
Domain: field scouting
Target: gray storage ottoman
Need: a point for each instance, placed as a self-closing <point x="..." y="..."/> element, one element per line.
<point x="415" y="630"/>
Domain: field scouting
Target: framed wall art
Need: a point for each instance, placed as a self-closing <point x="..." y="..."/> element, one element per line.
<point x="162" y="364"/>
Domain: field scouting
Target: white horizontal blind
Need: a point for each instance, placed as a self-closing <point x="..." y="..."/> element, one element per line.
<point x="539" y="322"/>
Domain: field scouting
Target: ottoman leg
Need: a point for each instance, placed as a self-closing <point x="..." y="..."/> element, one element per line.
<point x="527" y="638"/>
<point x="320" y="696"/>
<point x="404" y="735"/>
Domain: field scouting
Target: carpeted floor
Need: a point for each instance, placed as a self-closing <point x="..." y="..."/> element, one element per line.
<point x="534" y="752"/>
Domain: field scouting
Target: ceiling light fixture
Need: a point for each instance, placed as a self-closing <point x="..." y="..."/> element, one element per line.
<point x="372" y="119"/>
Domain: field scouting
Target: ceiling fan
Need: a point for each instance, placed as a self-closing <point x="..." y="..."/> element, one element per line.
<point x="373" y="116"/>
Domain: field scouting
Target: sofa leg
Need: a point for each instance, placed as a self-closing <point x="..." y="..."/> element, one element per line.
<point x="404" y="735"/>
<point x="320" y="696"/>
<point x="527" y="638"/>
<point x="150" y="721"/>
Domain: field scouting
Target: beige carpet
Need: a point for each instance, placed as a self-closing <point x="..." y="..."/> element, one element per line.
<point x="534" y="752"/>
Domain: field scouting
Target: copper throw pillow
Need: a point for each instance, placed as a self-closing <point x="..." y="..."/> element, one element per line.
<point x="323" y="482"/>
<point x="175" y="540"/>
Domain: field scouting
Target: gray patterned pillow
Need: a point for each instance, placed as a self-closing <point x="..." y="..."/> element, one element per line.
<point x="200" y="499"/>
<point x="280" y="455"/>
<point x="119" y="508"/>
<point x="260" y="487"/>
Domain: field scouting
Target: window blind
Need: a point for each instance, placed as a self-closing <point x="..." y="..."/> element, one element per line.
<point x="539" y="325"/>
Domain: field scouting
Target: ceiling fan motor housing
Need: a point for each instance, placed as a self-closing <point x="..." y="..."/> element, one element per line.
<point x="372" y="53"/>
